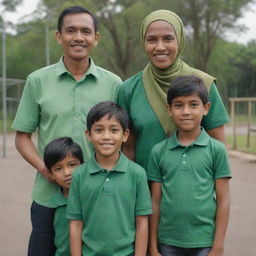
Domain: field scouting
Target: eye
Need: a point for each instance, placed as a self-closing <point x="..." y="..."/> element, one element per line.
<point x="114" y="130"/>
<point x="97" y="130"/>
<point x="87" y="31"/>
<point x="70" y="30"/>
<point x="73" y="164"/>
<point x="150" y="39"/>
<point x="194" y="105"/>
<point x="178" y="105"/>
<point x="169" y="38"/>
<point x="57" y="169"/>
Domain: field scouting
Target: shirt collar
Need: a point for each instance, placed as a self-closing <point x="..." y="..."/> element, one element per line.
<point x="121" y="165"/>
<point x="59" y="199"/>
<point x="61" y="69"/>
<point x="201" y="140"/>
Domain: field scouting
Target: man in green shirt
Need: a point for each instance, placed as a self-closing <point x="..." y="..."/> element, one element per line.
<point x="56" y="100"/>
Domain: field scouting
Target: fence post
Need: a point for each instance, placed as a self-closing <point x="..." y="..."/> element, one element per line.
<point x="233" y="123"/>
<point x="249" y="122"/>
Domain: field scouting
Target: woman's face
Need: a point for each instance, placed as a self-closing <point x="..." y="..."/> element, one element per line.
<point x="161" y="44"/>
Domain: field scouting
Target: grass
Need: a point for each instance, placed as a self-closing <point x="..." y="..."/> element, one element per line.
<point x="241" y="141"/>
<point x="9" y="126"/>
<point x="244" y="119"/>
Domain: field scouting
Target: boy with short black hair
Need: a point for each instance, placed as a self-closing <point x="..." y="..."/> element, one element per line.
<point x="189" y="174"/>
<point x="109" y="199"/>
<point x="61" y="157"/>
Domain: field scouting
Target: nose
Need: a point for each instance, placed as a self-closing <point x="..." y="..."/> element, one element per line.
<point x="186" y="110"/>
<point x="78" y="36"/>
<point x="106" y="135"/>
<point x="67" y="172"/>
<point x="160" y="45"/>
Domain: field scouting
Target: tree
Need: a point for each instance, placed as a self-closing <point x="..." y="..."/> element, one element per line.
<point x="119" y="49"/>
<point x="206" y="22"/>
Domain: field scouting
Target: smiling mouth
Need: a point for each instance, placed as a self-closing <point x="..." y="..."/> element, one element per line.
<point x="78" y="45"/>
<point x="160" y="56"/>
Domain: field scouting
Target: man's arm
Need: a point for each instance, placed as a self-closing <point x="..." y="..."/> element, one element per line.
<point x="156" y="195"/>
<point x="75" y="233"/>
<point x="141" y="237"/>
<point x="222" y="216"/>
<point x="218" y="133"/>
<point x="27" y="149"/>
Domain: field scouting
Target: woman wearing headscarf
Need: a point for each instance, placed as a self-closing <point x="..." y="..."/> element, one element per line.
<point x="144" y="94"/>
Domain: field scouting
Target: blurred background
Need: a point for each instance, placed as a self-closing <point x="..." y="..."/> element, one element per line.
<point x="219" y="40"/>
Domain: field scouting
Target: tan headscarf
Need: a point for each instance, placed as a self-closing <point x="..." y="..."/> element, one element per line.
<point x="157" y="81"/>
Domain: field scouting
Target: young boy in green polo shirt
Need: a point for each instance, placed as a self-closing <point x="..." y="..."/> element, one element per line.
<point x="109" y="200"/>
<point x="189" y="175"/>
<point x="61" y="157"/>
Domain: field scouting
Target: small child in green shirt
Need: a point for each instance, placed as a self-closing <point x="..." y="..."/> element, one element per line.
<point x="61" y="157"/>
<point x="109" y="200"/>
<point x="189" y="180"/>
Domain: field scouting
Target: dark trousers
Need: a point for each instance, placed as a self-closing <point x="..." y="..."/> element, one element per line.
<point x="168" y="250"/>
<point x="41" y="242"/>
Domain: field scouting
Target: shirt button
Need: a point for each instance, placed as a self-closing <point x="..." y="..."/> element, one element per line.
<point x="107" y="179"/>
<point x="184" y="155"/>
<point x="183" y="162"/>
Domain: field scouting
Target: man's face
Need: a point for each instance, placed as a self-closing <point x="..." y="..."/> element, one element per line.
<point x="77" y="36"/>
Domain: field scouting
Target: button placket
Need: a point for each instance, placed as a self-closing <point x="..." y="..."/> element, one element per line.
<point x="108" y="185"/>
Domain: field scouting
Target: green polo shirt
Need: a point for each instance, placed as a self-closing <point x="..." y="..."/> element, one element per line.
<point x="108" y="202"/>
<point x="145" y="124"/>
<point x="61" y="225"/>
<point x="187" y="174"/>
<point x="56" y="105"/>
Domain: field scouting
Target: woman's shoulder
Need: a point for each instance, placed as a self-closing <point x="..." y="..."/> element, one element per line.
<point x="133" y="80"/>
<point x="208" y="79"/>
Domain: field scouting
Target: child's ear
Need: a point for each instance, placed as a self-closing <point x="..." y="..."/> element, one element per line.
<point x="126" y="135"/>
<point x="52" y="177"/>
<point x="88" y="135"/>
<point x="207" y="108"/>
<point x="169" y="109"/>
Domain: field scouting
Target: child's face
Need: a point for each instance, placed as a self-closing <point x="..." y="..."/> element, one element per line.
<point x="62" y="171"/>
<point x="107" y="136"/>
<point x="188" y="111"/>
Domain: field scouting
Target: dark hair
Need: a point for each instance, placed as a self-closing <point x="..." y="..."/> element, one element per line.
<point x="58" y="149"/>
<point x="75" y="10"/>
<point x="110" y="109"/>
<point x="185" y="86"/>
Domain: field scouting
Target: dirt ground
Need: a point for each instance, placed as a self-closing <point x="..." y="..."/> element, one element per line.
<point x="16" y="186"/>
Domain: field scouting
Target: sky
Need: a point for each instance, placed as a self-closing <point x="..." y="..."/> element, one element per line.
<point x="249" y="19"/>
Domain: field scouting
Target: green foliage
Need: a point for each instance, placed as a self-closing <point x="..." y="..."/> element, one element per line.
<point x="120" y="50"/>
<point x="206" y="22"/>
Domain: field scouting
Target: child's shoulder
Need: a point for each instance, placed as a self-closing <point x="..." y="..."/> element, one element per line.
<point x="161" y="146"/>
<point x="135" y="168"/>
<point x="217" y="145"/>
<point x="81" y="169"/>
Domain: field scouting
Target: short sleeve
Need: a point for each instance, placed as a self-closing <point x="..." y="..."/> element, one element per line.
<point x="217" y="115"/>
<point x="122" y="98"/>
<point x="28" y="113"/>
<point x="221" y="164"/>
<point x="74" y="210"/>
<point x="143" y="199"/>
<point x="154" y="171"/>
